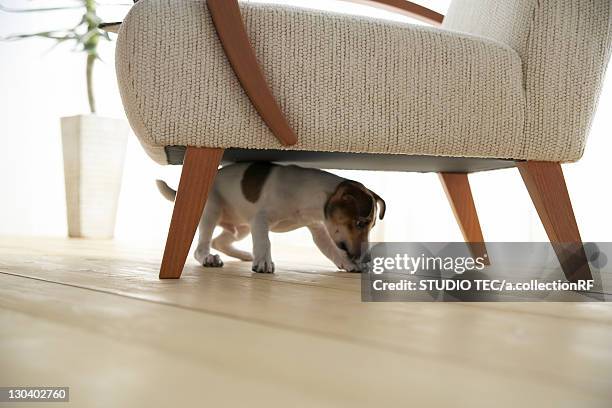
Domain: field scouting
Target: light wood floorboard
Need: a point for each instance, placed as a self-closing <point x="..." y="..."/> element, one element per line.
<point x="93" y="315"/>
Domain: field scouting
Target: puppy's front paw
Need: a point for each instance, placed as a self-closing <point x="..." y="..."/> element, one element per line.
<point x="212" y="261"/>
<point x="263" y="266"/>
<point x="348" y="265"/>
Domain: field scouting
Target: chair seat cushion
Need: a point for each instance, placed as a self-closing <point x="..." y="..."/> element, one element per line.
<point x="345" y="83"/>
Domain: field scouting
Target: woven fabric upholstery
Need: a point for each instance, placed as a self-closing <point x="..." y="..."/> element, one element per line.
<point x="346" y="84"/>
<point x="565" y="48"/>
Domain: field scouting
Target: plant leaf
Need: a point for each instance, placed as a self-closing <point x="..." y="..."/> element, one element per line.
<point x="52" y="35"/>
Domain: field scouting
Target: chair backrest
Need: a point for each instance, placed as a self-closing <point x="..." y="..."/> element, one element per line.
<point x="565" y="48"/>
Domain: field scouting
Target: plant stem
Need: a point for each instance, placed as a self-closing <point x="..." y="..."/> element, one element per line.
<point x="91" y="48"/>
<point x="91" y="59"/>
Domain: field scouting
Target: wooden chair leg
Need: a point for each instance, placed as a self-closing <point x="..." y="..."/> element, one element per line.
<point x="546" y="185"/>
<point x="457" y="188"/>
<point x="199" y="170"/>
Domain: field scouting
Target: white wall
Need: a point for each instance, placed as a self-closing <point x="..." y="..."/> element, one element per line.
<point x="37" y="86"/>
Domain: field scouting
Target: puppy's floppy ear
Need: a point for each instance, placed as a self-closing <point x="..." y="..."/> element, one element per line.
<point x="347" y="197"/>
<point x="381" y="205"/>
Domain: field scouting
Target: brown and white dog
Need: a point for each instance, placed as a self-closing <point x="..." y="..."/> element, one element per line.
<point x="262" y="197"/>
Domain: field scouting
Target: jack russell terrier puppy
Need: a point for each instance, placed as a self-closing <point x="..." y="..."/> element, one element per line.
<point x="261" y="197"/>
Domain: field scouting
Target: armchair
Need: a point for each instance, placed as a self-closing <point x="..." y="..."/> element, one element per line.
<point x="498" y="85"/>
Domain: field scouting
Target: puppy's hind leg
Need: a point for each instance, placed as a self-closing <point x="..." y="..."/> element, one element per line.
<point x="208" y="222"/>
<point x="225" y="240"/>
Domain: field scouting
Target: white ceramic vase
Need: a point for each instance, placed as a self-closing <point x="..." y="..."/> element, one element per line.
<point x="94" y="153"/>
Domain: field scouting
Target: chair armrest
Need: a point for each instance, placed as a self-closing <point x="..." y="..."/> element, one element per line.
<point x="230" y="28"/>
<point x="232" y="33"/>
<point x="407" y="8"/>
<point x="399" y="6"/>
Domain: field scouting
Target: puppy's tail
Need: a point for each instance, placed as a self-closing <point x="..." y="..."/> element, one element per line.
<point x="165" y="190"/>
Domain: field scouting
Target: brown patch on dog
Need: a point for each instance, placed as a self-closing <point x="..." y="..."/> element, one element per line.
<point x="353" y="199"/>
<point x="254" y="178"/>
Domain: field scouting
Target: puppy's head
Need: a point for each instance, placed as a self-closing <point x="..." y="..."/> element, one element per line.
<point x="350" y="214"/>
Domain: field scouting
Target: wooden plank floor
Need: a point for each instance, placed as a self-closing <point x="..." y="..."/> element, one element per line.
<point x="92" y="315"/>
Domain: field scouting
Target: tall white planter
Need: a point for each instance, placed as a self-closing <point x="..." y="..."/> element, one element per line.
<point x="94" y="153"/>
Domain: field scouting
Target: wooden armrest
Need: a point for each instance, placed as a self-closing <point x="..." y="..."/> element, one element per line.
<point x="407" y="8"/>
<point x="232" y="33"/>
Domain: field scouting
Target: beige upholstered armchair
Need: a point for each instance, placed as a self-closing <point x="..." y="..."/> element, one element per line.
<point x="499" y="84"/>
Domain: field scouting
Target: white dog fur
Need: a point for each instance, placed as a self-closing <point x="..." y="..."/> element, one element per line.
<point x="263" y="197"/>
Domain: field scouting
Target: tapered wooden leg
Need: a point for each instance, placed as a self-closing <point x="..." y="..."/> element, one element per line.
<point x="546" y="185"/>
<point x="199" y="170"/>
<point x="457" y="188"/>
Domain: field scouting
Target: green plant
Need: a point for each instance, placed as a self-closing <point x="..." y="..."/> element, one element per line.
<point x="86" y="36"/>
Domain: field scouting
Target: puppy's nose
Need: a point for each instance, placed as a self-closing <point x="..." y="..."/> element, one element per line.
<point x="342" y="246"/>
